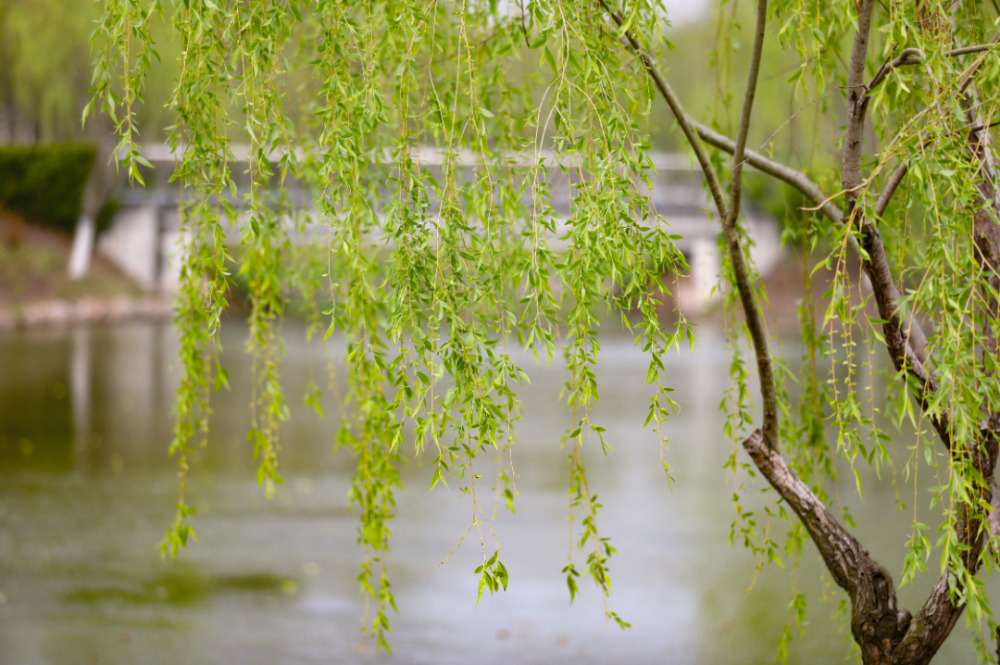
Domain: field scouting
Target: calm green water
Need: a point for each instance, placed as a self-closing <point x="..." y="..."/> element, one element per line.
<point x="86" y="491"/>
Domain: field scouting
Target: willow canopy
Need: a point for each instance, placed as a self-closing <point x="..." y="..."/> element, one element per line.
<point x="430" y="140"/>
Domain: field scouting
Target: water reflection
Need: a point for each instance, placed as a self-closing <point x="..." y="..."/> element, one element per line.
<point x="86" y="491"/>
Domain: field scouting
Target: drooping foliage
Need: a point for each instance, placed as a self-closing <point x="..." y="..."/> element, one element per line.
<point x="433" y="144"/>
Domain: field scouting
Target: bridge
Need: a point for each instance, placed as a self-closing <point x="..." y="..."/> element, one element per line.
<point x="144" y="238"/>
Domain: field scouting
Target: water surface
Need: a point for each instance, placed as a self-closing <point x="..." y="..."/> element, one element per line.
<point x="86" y="491"/>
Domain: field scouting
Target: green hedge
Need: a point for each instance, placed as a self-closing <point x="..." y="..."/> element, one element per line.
<point x="45" y="183"/>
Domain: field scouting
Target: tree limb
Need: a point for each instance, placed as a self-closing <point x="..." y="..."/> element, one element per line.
<point x="857" y="106"/>
<point x="904" y="354"/>
<point x="744" y="128"/>
<point x="751" y="310"/>
<point x="970" y="49"/>
<point x="796" y="179"/>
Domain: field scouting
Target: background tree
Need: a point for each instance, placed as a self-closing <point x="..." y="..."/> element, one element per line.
<point x="433" y="275"/>
<point x="45" y="77"/>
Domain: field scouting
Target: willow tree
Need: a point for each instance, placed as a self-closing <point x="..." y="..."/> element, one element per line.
<point x="428" y="133"/>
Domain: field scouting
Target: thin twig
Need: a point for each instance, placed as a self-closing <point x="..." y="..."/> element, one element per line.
<point x="970" y="49"/>
<point x="792" y="117"/>
<point x="796" y="179"/>
<point x="744" y="128"/>
<point x="890" y="188"/>
<point x="910" y="56"/>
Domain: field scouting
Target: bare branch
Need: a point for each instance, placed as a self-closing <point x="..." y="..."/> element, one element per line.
<point x="910" y="56"/>
<point x="796" y="179"/>
<point x="857" y="105"/>
<point x="890" y="187"/>
<point x="840" y="550"/>
<point x="970" y="49"/>
<point x="741" y="275"/>
<point x="744" y="128"/>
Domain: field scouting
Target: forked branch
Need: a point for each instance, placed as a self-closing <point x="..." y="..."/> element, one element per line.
<point x="728" y="214"/>
<point x="907" y="336"/>
<point x="873" y="599"/>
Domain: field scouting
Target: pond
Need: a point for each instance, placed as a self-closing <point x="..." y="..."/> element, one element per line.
<point x="87" y="489"/>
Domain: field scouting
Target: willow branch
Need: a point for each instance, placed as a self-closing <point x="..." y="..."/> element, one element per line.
<point x="970" y="49"/>
<point x="986" y="230"/>
<point x="777" y="170"/>
<point x="933" y="623"/>
<point x="877" y="272"/>
<point x="728" y="214"/>
<point x="906" y="355"/>
<point x="969" y="75"/>
<point x="839" y="549"/>
<point x="905" y="342"/>
<point x="675" y="107"/>
<point x="914" y="56"/>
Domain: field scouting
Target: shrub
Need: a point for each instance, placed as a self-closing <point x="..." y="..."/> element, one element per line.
<point x="45" y="183"/>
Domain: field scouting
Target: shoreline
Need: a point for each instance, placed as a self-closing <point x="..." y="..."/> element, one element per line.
<point x="89" y="311"/>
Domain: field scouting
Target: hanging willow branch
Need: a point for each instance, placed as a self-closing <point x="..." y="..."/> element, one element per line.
<point x="480" y="174"/>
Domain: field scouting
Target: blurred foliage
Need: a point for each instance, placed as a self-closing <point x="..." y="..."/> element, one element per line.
<point x="106" y="215"/>
<point x="44" y="66"/>
<point x="46" y="69"/>
<point x="45" y="183"/>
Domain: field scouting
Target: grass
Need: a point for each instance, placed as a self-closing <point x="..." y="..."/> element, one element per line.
<point x="33" y="265"/>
